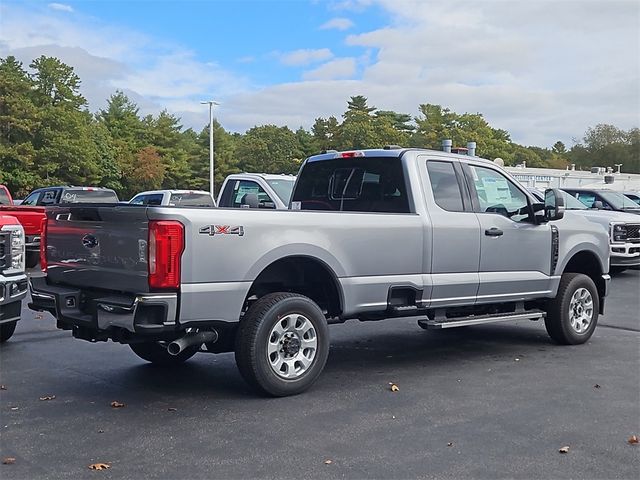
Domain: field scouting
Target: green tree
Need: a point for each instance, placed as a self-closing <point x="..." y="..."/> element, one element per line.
<point x="269" y="149"/>
<point x="56" y="83"/>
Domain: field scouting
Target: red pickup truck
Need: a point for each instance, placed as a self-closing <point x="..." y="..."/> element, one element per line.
<point x="31" y="211"/>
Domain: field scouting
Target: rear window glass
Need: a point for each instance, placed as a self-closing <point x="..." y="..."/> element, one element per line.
<point x="89" y="196"/>
<point x="4" y="197"/>
<point x="191" y="200"/>
<point x="360" y="184"/>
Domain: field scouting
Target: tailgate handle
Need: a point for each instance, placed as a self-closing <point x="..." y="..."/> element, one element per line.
<point x="493" y="232"/>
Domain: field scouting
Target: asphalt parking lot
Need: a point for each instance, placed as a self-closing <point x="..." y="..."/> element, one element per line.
<point x="493" y="401"/>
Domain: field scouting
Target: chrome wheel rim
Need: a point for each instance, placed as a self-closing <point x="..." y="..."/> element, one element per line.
<point x="292" y="346"/>
<point x="581" y="310"/>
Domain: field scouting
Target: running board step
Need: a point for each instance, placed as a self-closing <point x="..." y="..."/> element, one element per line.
<point x="473" y="320"/>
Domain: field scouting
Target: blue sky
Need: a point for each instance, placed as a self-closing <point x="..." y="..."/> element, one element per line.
<point x="544" y="70"/>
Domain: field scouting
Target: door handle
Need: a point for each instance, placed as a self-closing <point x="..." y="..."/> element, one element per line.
<point x="493" y="232"/>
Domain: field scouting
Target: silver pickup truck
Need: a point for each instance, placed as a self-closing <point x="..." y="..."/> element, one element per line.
<point x="450" y="239"/>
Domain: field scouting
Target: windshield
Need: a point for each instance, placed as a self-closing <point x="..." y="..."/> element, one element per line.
<point x="618" y="200"/>
<point x="633" y="196"/>
<point x="283" y="188"/>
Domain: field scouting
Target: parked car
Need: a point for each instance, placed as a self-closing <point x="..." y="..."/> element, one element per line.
<point x="623" y="229"/>
<point x="451" y="239"/>
<point x="13" y="281"/>
<point x="31" y="212"/>
<point x="5" y="196"/>
<point x="256" y="190"/>
<point x="604" y="200"/>
<point x="174" y="198"/>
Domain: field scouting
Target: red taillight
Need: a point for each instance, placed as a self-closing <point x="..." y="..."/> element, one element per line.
<point x="166" y="244"/>
<point x="43" y="244"/>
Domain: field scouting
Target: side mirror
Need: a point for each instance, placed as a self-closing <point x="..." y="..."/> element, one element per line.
<point x="249" y="200"/>
<point x="598" y="205"/>
<point x="553" y="204"/>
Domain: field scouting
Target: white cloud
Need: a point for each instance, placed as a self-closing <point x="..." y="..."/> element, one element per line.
<point x="61" y="7"/>
<point x="338" y="23"/>
<point x="543" y="70"/>
<point x="305" y="56"/>
<point x="335" y="69"/>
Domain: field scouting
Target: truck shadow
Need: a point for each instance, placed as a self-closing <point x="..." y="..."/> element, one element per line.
<point x="365" y="354"/>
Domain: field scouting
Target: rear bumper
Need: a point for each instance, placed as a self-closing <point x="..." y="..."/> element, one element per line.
<point x="105" y="315"/>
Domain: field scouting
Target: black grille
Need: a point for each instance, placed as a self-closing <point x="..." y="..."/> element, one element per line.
<point x="633" y="233"/>
<point x="4" y="257"/>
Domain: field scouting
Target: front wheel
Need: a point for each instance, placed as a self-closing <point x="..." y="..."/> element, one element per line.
<point x="156" y="353"/>
<point x="572" y="316"/>
<point x="6" y="330"/>
<point x="282" y="344"/>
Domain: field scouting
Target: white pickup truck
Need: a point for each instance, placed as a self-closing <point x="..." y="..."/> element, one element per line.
<point x="256" y="190"/>
<point x="450" y="239"/>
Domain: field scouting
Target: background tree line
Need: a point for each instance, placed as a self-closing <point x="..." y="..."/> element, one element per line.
<point x="48" y="137"/>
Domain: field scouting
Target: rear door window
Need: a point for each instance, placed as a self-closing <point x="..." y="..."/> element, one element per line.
<point x="49" y="197"/>
<point x="357" y="184"/>
<point x="445" y="186"/>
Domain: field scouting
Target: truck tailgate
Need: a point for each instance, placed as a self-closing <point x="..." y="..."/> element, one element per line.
<point x="29" y="217"/>
<point x="98" y="247"/>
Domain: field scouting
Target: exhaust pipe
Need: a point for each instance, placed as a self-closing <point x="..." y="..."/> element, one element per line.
<point x="190" y="339"/>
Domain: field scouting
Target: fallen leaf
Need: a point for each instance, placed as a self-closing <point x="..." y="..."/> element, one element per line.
<point x="99" y="466"/>
<point x="8" y="461"/>
<point x="449" y="444"/>
<point x="116" y="404"/>
<point x="328" y="462"/>
<point x="633" y="440"/>
<point x="394" y="387"/>
<point x="564" y="449"/>
<point x="517" y="359"/>
<point x="14" y="408"/>
<point x="3" y="387"/>
<point x="100" y="431"/>
<point x="596" y="386"/>
<point x="172" y="409"/>
<point x="47" y="397"/>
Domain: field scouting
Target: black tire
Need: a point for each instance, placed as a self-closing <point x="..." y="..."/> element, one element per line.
<point x="156" y="353"/>
<point x="559" y="310"/>
<point x="617" y="270"/>
<point x="254" y="334"/>
<point x="32" y="259"/>
<point x="6" y="330"/>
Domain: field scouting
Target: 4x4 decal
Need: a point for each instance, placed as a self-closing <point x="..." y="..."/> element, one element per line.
<point x="212" y="230"/>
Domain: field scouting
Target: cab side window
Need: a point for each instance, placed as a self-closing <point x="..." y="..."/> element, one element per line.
<point x="445" y="186"/>
<point x="495" y="193"/>
<point x="242" y="188"/>
<point x="31" y="199"/>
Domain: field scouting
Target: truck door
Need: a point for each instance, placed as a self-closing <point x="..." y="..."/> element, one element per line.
<point x="451" y="267"/>
<point x="515" y="253"/>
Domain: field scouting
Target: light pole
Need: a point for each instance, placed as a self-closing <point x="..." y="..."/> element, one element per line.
<point x="211" y="103"/>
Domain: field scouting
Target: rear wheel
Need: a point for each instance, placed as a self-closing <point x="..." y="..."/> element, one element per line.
<point x="156" y="353"/>
<point x="6" y="330"/>
<point x="282" y="344"/>
<point x="572" y="316"/>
